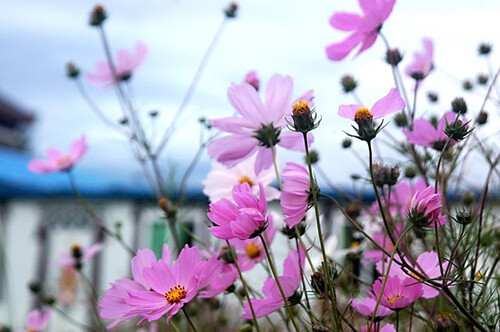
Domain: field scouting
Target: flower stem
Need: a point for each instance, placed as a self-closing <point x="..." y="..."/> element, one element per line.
<point x="275" y="164"/>
<point x="189" y="320"/>
<point x="275" y="275"/>
<point x="244" y="284"/>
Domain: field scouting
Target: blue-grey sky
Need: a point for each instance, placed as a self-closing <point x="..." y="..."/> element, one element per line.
<point x="284" y="36"/>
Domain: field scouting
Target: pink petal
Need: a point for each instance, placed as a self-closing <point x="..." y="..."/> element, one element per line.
<point x="78" y="148"/>
<point x="41" y="166"/>
<point x="264" y="159"/>
<point x="345" y="21"/>
<point x="246" y="101"/>
<point x="232" y="149"/>
<point x="278" y="94"/>
<point x="391" y="103"/>
<point x="368" y="41"/>
<point x="338" y="51"/>
<point x="348" y="111"/>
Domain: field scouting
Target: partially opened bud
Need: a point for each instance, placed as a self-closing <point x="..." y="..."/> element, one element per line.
<point x="97" y="16"/>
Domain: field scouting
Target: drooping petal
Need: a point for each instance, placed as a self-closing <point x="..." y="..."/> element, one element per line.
<point x="338" y="51"/>
<point x="391" y="103"/>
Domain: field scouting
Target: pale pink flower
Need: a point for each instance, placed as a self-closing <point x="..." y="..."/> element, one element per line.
<point x="388" y="104"/>
<point x="295" y="198"/>
<point x="173" y="285"/>
<point x="252" y="79"/>
<point x="220" y="180"/>
<point x="37" y="320"/>
<point x="125" y="64"/>
<point x="398" y="293"/>
<point x="251" y="251"/>
<point x="425" y="134"/>
<point x="113" y="304"/>
<point x="258" y="127"/>
<point x="78" y="255"/>
<point x="367" y="307"/>
<point x="290" y="282"/>
<point x="227" y="277"/>
<point x="383" y="240"/>
<point x="427" y="264"/>
<point x="364" y="27"/>
<point x="243" y="219"/>
<point x="58" y="160"/>
<point x="422" y="61"/>
<point x="424" y="208"/>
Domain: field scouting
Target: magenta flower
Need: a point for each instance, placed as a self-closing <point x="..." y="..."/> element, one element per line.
<point x="59" y="161"/>
<point x="37" y="320"/>
<point x="424" y="208"/>
<point x="427" y="264"/>
<point x="367" y="307"/>
<point x="295" y="196"/>
<point x="251" y="251"/>
<point x="258" y="128"/>
<point x="388" y="104"/>
<point x="401" y="194"/>
<point x="113" y="304"/>
<point x="125" y="64"/>
<point x="383" y="240"/>
<point x="78" y="255"/>
<point x="243" y="220"/>
<point x="290" y="281"/>
<point x="425" y="134"/>
<point x="422" y="61"/>
<point x="252" y="79"/>
<point x="364" y="27"/>
<point x="221" y="282"/>
<point x="173" y="285"/>
<point x="397" y="293"/>
<point x="385" y="328"/>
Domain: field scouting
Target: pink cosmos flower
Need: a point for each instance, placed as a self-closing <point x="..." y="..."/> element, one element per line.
<point x="37" y="320"/>
<point x="258" y="128"/>
<point x="427" y="264"/>
<point x="113" y="304"/>
<point x="367" y="306"/>
<point x="78" y="254"/>
<point x="290" y="281"/>
<point x="173" y="285"/>
<point x="422" y="61"/>
<point x="425" y="134"/>
<point x="383" y="240"/>
<point x="385" y="328"/>
<point x="398" y="293"/>
<point x="251" y="251"/>
<point x="59" y="161"/>
<point x="424" y="208"/>
<point x="221" y="282"/>
<point x="296" y="190"/>
<point x="364" y="27"/>
<point x="220" y="180"/>
<point x="243" y="220"/>
<point x="401" y="194"/>
<point x="391" y="103"/>
<point x="252" y="79"/>
<point x="125" y="64"/>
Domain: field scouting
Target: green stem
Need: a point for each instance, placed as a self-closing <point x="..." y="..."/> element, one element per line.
<point x="275" y="274"/>
<point x="275" y="164"/>
<point x="244" y="284"/>
<point x="189" y="320"/>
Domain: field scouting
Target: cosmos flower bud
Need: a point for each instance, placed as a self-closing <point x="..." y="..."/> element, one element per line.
<point x="353" y="210"/>
<point x="467" y="85"/>
<point x="385" y="174"/>
<point x="76" y="251"/>
<point x="35" y="287"/>
<point x="231" y="10"/>
<point x="410" y="172"/>
<point x="457" y="130"/>
<point x="226" y="255"/>
<point x="459" y="106"/>
<point x="432" y="96"/>
<point x="313" y="156"/>
<point x="318" y="283"/>
<point x="97" y="16"/>
<point x="348" y="83"/>
<point x="346" y="143"/>
<point x="163" y="203"/>
<point x="484" y="49"/>
<point x="304" y="119"/>
<point x="400" y="120"/>
<point x="482" y="79"/>
<point x="417" y="75"/>
<point x="468" y="198"/>
<point x="295" y="298"/>
<point x="393" y="57"/>
<point x="482" y="118"/>
<point x="48" y="300"/>
<point x="72" y="71"/>
<point x="291" y="233"/>
<point x="123" y="121"/>
<point x="463" y="217"/>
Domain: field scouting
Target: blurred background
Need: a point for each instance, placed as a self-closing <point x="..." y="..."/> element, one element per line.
<point x="41" y="108"/>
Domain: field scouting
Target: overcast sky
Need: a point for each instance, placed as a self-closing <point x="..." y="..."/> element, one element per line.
<point x="37" y="38"/>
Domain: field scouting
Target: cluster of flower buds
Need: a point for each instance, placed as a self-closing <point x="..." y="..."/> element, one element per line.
<point x="385" y="175"/>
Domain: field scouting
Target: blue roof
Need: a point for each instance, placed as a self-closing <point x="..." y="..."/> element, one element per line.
<point x="16" y="181"/>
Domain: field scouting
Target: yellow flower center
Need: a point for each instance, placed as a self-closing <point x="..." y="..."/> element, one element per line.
<point x="175" y="294"/>
<point x="252" y="250"/>
<point x="75" y="247"/>
<point x="394" y="298"/>
<point x="478" y="276"/>
<point x="363" y="114"/>
<point x="63" y="160"/>
<point x="246" y="179"/>
<point x="355" y="245"/>
<point x="301" y="108"/>
<point x="31" y="330"/>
